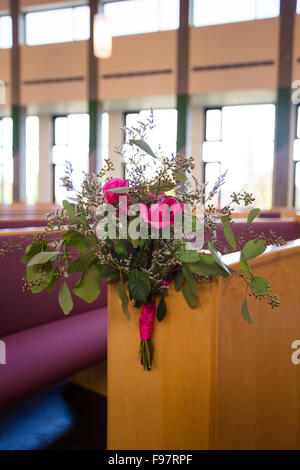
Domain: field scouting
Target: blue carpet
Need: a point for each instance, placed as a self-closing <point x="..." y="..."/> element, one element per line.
<point x="64" y="417"/>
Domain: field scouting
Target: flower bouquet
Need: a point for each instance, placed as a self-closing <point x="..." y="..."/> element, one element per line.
<point x="142" y="233"/>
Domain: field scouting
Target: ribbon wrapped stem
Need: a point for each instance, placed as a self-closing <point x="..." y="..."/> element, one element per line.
<point x="146" y="324"/>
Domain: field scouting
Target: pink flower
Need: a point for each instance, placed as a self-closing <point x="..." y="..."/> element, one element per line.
<point x="114" y="183"/>
<point x="161" y="214"/>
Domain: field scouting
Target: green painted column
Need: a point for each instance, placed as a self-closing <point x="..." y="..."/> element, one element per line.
<point x="182" y="76"/>
<point x="284" y="108"/>
<point x="17" y="111"/>
<point x="182" y="113"/>
<point x="95" y="124"/>
<point x="94" y="106"/>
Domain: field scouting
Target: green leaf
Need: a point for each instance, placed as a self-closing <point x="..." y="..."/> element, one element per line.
<point x="121" y="247"/>
<point x="81" y="246"/>
<point x="80" y="264"/>
<point x="124" y="298"/>
<point x="88" y="288"/>
<point x="115" y="278"/>
<point x="161" y="308"/>
<point x="71" y="238"/>
<point x="119" y="190"/>
<point x="206" y="266"/>
<point x="65" y="299"/>
<point x="188" y="257"/>
<point x="33" y="249"/>
<point x="225" y="219"/>
<point x="218" y="258"/>
<point x="54" y="280"/>
<point x="106" y="271"/>
<point x="161" y="187"/>
<point x="190" y="278"/>
<point x="43" y="257"/>
<point x="70" y="208"/>
<point x="179" y="279"/>
<point x="244" y="265"/>
<point x="39" y="272"/>
<point x="189" y="295"/>
<point x="139" y="286"/>
<point x="246" y="312"/>
<point x="260" y="285"/>
<point x="253" y="248"/>
<point x="229" y="235"/>
<point x="143" y="146"/>
<point x="180" y="176"/>
<point x="252" y="214"/>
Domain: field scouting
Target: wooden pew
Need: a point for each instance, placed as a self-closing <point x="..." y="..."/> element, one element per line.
<point x="21" y="210"/>
<point x="218" y="382"/>
<point x="34" y="328"/>
<point x="20" y="215"/>
<point x="282" y="211"/>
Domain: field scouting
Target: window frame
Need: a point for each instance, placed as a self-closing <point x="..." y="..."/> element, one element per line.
<point x="296" y="117"/>
<point x="204" y="163"/>
<point x="3" y="147"/>
<point x="105" y="2"/>
<point x="4" y="15"/>
<point x="50" y="8"/>
<point x="255" y="18"/>
<point x="53" y="165"/>
<point x="205" y="109"/>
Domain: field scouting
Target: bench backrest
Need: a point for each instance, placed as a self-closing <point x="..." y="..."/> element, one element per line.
<point x="22" y="310"/>
<point x="286" y="228"/>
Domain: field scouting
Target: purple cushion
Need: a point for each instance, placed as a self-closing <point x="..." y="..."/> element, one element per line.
<point x="269" y="215"/>
<point x="19" y="310"/>
<point x="41" y="356"/>
<point x="21" y="223"/>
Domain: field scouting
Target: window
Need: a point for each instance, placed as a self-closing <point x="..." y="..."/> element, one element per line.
<point x="5" y="32"/>
<point x="296" y="156"/>
<point x="142" y="16"/>
<point x="298" y="7"/>
<point x="212" y="147"/>
<point x="59" y="25"/>
<point x="240" y="139"/>
<point x="71" y="143"/>
<point x="6" y="160"/>
<point x="105" y="136"/>
<point x="209" y="12"/>
<point x="163" y="136"/>
<point x="32" y="159"/>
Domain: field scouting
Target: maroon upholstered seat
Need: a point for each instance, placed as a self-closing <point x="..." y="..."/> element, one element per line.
<point x="42" y="345"/>
<point x="39" y="357"/>
<point x="21" y="310"/>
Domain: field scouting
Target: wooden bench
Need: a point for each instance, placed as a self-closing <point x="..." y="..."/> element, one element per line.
<point x="218" y="382"/>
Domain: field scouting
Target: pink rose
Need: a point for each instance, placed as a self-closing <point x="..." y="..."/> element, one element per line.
<point x="161" y="214"/>
<point x="114" y="183"/>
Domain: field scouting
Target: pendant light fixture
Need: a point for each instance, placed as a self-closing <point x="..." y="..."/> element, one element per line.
<point x="102" y="36"/>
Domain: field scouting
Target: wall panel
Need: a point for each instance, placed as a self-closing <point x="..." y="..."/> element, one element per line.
<point x="235" y="44"/>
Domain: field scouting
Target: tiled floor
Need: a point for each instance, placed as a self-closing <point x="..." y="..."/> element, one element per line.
<point x="64" y="417"/>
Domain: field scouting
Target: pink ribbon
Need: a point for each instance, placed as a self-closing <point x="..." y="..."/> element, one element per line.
<point x="147" y="318"/>
<point x="166" y="284"/>
<point x="147" y="321"/>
